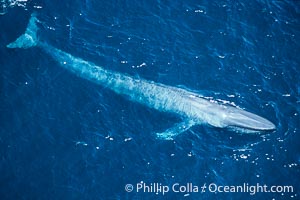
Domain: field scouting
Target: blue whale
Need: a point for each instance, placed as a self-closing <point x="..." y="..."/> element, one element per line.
<point x="192" y="108"/>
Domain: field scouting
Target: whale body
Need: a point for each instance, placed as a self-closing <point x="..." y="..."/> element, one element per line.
<point x="192" y="108"/>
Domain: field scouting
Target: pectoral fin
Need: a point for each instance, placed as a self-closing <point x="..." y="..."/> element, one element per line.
<point x="181" y="127"/>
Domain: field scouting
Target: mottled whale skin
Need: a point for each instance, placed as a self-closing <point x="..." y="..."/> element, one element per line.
<point x="192" y="108"/>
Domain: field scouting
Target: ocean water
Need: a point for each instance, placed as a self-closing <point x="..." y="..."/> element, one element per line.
<point x="63" y="137"/>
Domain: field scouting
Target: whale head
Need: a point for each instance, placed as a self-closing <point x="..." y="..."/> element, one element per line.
<point x="234" y="117"/>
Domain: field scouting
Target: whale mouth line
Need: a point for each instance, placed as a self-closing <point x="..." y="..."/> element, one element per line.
<point x="252" y="129"/>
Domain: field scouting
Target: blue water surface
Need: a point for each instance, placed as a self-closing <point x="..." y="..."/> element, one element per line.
<point x="63" y="137"/>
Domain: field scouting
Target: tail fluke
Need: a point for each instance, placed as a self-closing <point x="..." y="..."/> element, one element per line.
<point x="29" y="38"/>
